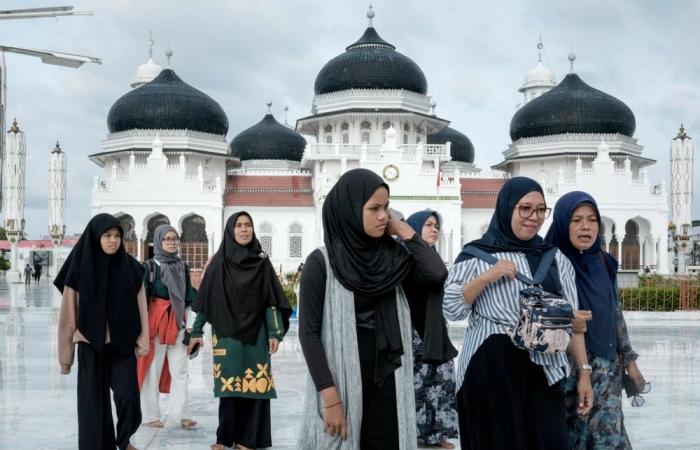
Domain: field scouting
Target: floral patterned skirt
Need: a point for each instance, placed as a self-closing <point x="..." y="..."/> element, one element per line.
<point x="604" y="427"/>
<point x="436" y="403"/>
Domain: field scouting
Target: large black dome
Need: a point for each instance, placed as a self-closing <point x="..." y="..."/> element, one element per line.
<point x="572" y="107"/>
<point x="370" y="63"/>
<point x="268" y="139"/>
<point x="461" y="147"/>
<point x="167" y="103"/>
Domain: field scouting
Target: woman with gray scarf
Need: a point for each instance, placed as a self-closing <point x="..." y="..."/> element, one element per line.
<point x="170" y="294"/>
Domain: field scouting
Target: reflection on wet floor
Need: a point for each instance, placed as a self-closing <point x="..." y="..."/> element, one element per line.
<point x="38" y="405"/>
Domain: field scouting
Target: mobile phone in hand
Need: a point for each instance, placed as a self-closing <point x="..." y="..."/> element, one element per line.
<point x="195" y="351"/>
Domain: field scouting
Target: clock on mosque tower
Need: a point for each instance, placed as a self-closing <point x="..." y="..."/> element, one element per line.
<point x="391" y="172"/>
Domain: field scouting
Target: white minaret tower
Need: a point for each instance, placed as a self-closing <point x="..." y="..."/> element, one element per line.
<point x="682" y="195"/>
<point x="57" y="195"/>
<point x="13" y="200"/>
<point x="539" y="80"/>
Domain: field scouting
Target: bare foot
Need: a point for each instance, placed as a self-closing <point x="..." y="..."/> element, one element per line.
<point x="131" y="447"/>
<point x="242" y="447"/>
<point x="188" y="423"/>
<point x="217" y="447"/>
<point x="446" y="444"/>
<point x="154" y="424"/>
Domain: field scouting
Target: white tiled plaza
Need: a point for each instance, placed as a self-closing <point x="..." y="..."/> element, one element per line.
<point x="38" y="409"/>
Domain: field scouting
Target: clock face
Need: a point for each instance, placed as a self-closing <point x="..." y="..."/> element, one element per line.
<point x="391" y="172"/>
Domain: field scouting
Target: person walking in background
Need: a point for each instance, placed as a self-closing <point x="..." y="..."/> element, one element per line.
<point x="510" y="398"/>
<point x="355" y="322"/>
<point x="37" y="272"/>
<point x="436" y="404"/>
<point x="575" y="231"/>
<point x="242" y="298"/>
<point x="104" y="311"/>
<point x="28" y="271"/>
<point x="170" y="295"/>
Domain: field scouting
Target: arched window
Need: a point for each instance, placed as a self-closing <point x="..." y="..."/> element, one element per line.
<point x="406" y="127"/>
<point x="365" y="125"/>
<point x="265" y="238"/>
<point x="328" y="131"/>
<point x="194" y="245"/>
<point x="130" y="242"/>
<point x="153" y="223"/>
<point x="345" y="126"/>
<point x="386" y="125"/>
<point x="295" y="241"/>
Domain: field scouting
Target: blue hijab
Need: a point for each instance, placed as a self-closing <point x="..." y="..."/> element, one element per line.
<point x="595" y="276"/>
<point x="417" y="220"/>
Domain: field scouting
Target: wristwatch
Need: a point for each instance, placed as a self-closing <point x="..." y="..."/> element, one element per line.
<point x="587" y="367"/>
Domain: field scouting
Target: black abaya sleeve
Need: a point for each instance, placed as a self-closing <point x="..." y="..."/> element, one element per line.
<point x="312" y="292"/>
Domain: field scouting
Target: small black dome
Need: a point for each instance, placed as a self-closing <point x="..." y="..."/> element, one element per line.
<point x="370" y="63"/>
<point x="268" y="139"/>
<point x="572" y="107"/>
<point x="461" y="147"/>
<point x="167" y="103"/>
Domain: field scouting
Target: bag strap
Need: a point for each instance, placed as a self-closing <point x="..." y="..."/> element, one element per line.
<point x="540" y="274"/>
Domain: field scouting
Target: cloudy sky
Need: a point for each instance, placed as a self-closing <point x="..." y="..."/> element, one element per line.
<point x="242" y="53"/>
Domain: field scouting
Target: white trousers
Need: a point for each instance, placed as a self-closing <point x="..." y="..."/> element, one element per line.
<point x="178" y="405"/>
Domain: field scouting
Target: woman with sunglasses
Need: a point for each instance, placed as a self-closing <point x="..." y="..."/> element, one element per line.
<point x="575" y="231"/>
<point x="509" y="398"/>
<point x="170" y="296"/>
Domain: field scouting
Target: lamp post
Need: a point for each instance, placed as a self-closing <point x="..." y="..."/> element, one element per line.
<point x="47" y="57"/>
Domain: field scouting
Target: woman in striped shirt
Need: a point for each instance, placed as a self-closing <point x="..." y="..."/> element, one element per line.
<point x="510" y="398"/>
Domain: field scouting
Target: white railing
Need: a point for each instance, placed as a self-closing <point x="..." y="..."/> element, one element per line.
<point x="374" y="151"/>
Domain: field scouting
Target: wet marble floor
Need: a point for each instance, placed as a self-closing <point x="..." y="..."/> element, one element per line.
<point x="37" y="404"/>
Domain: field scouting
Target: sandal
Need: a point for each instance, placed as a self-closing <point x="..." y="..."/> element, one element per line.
<point x="188" y="423"/>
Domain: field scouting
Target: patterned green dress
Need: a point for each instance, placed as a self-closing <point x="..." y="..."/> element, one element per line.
<point x="244" y="370"/>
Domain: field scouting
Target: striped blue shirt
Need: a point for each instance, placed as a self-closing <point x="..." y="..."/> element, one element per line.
<point x="498" y="304"/>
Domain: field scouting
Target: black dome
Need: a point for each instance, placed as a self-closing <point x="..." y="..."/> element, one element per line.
<point x="167" y="103"/>
<point x="370" y="63"/>
<point x="461" y="147"/>
<point x="268" y="139"/>
<point x="572" y="107"/>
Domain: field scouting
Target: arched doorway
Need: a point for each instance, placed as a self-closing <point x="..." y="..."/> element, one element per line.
<point x="630" y="246"/>
<point x="194" y="245"/>
<point x="129" y="239"/>
<point x="153" y="223"/>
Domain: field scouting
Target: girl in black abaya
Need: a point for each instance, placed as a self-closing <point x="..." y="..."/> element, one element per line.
<point x="104" y="312"/>
<point x="355" y="323"/>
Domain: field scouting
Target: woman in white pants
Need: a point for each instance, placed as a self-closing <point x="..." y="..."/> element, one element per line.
<point x="164" y="369"/>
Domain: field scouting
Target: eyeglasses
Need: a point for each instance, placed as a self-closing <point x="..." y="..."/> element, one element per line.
<point x="525" y="211"/>
<point x="171" y="240"/>
<point x="637" y="399"/>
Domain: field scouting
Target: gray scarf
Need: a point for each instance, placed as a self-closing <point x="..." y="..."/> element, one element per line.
<point x="172" y="272"/>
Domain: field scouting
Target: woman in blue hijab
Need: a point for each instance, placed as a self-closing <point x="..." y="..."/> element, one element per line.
<point x="436" y="404"/>
<point x="575" y="230"/>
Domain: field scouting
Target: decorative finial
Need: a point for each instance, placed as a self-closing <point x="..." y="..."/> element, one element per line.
<point x="539" y="49"/>
<point x="150" y="45"/>
<point x="682" y="134"/>
<point x="433" y="104"/>
<point x="370" y="15"/>
<point x="14" y="128"/>
<point x="286" y="109"/>
<point x="169" y="54"/>
<point x="269" y="106"/>
<point x="57" y="149"/>
<point x="572" y="58"/>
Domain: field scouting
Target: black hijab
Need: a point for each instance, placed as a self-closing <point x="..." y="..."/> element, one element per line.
<point x="238" y="286"/>
<point x="361" y="263"/>
<point x="595" y="275"/>
<point x="370" y="267"/>
<point x="108" y="286"/>
<point x="500" y="237"/>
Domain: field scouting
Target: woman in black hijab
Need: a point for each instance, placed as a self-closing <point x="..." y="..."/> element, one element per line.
<point x="355" y="324"/>
<point x="510" y="398"/>
<point x="104" y="312"/>
<point x="241" y="296"/>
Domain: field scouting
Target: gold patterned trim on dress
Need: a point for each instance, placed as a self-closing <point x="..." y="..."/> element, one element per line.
<point x="219" y="352"/>
<point x="214" y="341"/>
<point x="217" y="370"/>
<point x="253" y="382"/>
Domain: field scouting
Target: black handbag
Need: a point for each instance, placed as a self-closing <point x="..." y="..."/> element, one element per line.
<point x="545" y="320"/>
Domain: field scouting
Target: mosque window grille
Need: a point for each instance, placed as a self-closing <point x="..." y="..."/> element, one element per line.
<point x="266" y="244"/>
<point x="295" y="240"/>
<point x="346" y="138"/>
<point x="329" y="139"/>
<point x="365" y="137"/>
<point x="405" y="139"/>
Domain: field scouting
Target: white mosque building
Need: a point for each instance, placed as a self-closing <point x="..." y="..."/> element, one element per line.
<point x="166" y="159"/>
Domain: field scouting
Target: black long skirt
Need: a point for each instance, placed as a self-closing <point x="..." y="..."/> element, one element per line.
<point x="244" y="421"/>
<point x="505" y="402"/>
<point x="380" y="429"/>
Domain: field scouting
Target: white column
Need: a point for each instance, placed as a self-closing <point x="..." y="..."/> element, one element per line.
<point x="619" y="250"/>
<point x="139" y="244"/>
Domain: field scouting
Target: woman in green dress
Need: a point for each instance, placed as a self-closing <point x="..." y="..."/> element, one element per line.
<point x="241" y="296"/>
